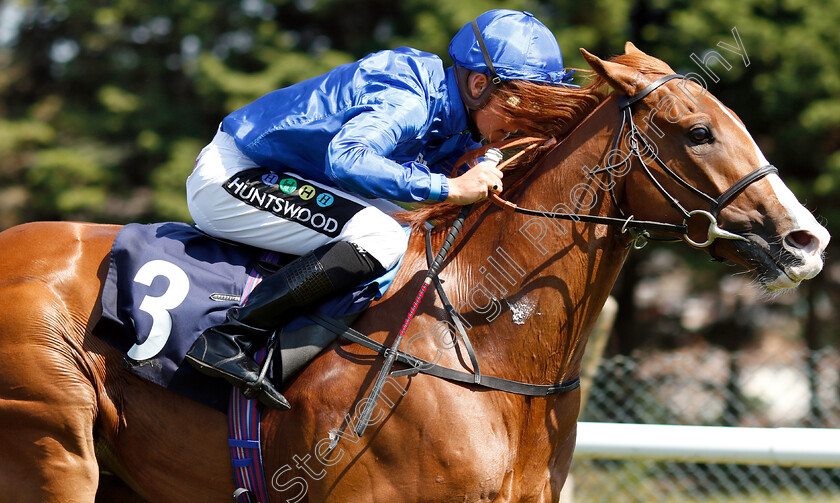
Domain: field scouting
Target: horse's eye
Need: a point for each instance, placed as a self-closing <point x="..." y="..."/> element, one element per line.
<point x="700" y="135"/>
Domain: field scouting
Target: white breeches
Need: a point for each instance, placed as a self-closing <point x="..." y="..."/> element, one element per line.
<point x="284" y="212"/>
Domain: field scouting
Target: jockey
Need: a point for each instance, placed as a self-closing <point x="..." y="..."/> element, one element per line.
<point x="310" y="170"/>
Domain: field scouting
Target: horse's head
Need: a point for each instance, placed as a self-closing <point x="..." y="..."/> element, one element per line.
<point x="718" y="178"/>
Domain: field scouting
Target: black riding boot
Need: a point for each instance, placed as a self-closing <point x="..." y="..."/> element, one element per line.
<point x="222" y="351"/>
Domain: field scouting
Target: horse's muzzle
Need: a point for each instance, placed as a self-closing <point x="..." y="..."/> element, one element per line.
<point x="784" y="261"/>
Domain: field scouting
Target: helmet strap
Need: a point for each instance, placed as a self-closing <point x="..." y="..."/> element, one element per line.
<point x="487" y="60"/>
<point x="462" y="77"/>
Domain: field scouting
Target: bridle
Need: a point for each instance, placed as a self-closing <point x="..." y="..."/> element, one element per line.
<point x="638" y="144"/>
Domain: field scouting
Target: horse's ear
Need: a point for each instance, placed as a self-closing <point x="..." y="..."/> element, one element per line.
<point x="622" y="78"/>
<point x="630" y="48"/>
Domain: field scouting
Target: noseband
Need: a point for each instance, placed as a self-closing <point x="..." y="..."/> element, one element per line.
<point x="638" y="144"/>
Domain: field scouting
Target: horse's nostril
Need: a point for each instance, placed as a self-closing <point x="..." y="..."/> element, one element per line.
<point x="800" y="239"/>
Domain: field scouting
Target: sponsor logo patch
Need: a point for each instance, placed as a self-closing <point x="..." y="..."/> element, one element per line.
<point x="293" y="199"/>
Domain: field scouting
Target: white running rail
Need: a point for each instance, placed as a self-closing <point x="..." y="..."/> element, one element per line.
<point x="811" y="447"/>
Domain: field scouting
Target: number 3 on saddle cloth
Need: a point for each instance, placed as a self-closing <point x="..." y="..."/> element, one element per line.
<point x="168" y="282"/>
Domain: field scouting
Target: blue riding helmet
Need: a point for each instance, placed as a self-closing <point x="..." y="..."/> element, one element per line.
<point x="519" y="47"/>
<point x="507" y="45"/>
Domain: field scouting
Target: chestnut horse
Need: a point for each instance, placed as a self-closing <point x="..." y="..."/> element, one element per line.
<point x="528" y="290"/>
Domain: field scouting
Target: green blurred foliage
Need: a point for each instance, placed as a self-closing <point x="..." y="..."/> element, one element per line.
<point x="140" y="78"/>
<point x="104" y="105"/>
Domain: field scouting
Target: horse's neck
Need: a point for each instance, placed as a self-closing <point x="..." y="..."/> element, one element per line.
<point x="530" y="287"/>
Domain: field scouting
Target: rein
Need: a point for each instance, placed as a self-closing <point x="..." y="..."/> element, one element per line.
<point x="641" y="227"/>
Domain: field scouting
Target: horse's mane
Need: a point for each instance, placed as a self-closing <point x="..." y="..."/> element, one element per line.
<point x="546" y="111"/>
<point x="549" y="112"/>
<point x="642" y="63"/>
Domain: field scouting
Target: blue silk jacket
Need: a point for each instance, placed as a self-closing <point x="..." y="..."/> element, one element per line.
<point x="389" y="125"/>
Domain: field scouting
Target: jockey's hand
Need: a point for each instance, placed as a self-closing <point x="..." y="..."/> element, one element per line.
<point x="476" y="184"/>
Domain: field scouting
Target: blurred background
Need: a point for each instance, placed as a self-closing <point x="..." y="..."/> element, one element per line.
<point x="104" y="106"/>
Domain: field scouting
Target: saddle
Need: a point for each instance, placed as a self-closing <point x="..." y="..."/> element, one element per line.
<point x="168" y="282"/>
